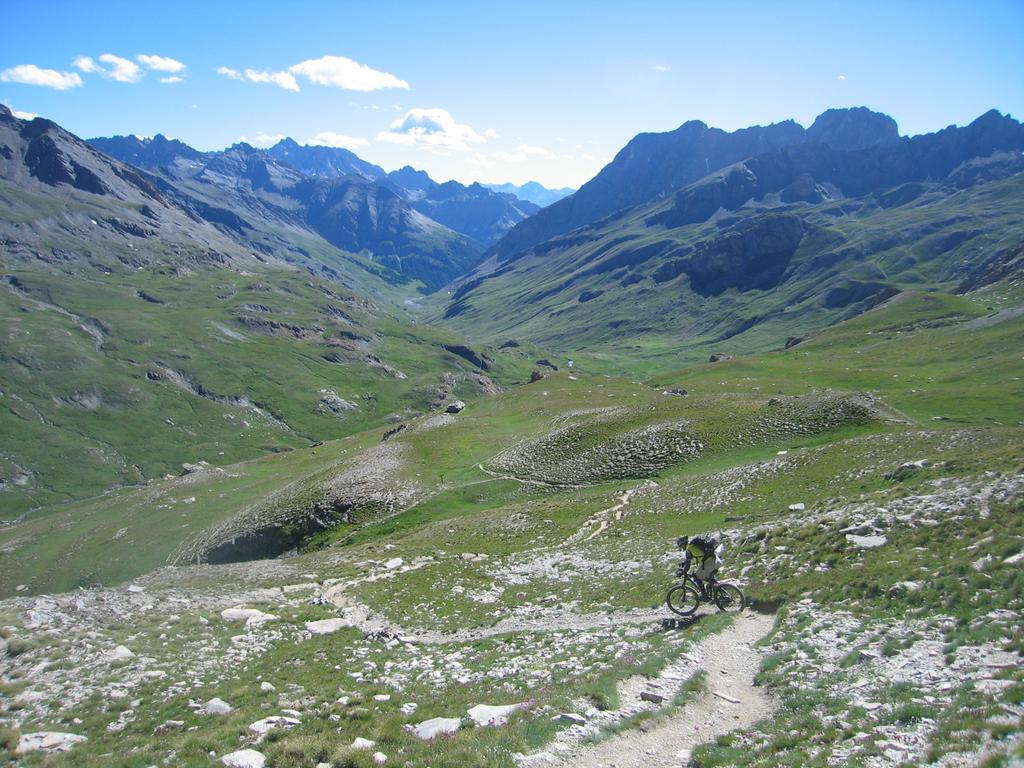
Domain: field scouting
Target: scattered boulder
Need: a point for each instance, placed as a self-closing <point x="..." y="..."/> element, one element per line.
<point x="217" y="707"/>
<point x="121" y="653"/>
<point x="167" y="726"/>
<point x="266" y="687"/>
<point x="798" y="507"/>
<point x="327" y="626"/>
<point x="360" y="743"/>
<point x="379" y="758"/>
<point x="678" y="392"/>
<point x="436" y="726"/>
<point x="573" y="718"/>
<point x="251" y="616"/>
<point x="535" y="376"/>
<point x="652" y="696"/>
<point x="395" y="562"/>
<point x="244" y="758"/>
<point x="48" y="741"/>
<point x="547" y="363"/>
<point x="262" y="727"/>
<point x="866" y="542"/>
<point x="135" y="589"/>
<point x="719" y="357"/>
<point x="792" y="341"/>
<point x="484" y="714"/>
<point x="456" y="406"/>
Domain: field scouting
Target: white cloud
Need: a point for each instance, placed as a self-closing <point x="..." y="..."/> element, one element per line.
<point x="661" y="68"/>
<point x="527" y="149"/>
<point x="160" y="63"/>
<point x="523" y="151"/>
<point x="281" y="79"/>
<point x="171" y="79"/>
<point x="433" y="129"/>
<point x="234" y="74"/>
<point x="490" y="133"/>
<point x="342" y="72"/>
<point x="121" y="70"/>
<point x="337" y="140"/>
<point x="841" y="78"/>
<point x="262" y="140"/>
<point x="86" y="64"/>
<point x="30" y="74"/>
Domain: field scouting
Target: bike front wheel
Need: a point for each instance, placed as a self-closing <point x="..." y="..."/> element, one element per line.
<point x="683" y="599"/>
<point x="729" y="598"/>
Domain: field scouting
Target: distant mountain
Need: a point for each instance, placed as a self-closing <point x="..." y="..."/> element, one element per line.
<point x="795" y="236"/>
<point x="533" y="191"/>
<point x="329" y="162"/>
<point x="656" y="164"/>
<point x="258" y="199"/>
<point x="478" y="213"/>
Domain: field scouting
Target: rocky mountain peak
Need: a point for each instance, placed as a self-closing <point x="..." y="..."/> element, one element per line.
<point x="853" y="128"/>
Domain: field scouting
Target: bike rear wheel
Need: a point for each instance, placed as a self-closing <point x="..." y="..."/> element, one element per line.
<point x="728" y="597"/>
<point x="683" y="599"/>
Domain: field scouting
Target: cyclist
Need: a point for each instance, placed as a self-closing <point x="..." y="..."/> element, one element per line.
<point x="707" y="550"/>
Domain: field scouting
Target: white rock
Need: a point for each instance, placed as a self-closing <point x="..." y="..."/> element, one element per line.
<point x="244" y="758"/>
<point x="408" y="709"/>
<point x="393" y="563"/>
<point x="379" y="758"/>
<point x="136" y="589"/>
<point x="47" y="741"/>
<point x="436" y="726"/>
<point x="251" y="616"/>
<point x="267" y="724"/>
<point x="866" y="542"/>
<point x="266" y="687"/>
<point x="361" y="743"/>
<point x="1014" y="559"/>
<point x="327" y="626"/>
<point x="572" y="717"/>
<point x="217" y="707"/>
<point x="798" y="507"/>
<point x="485" y="714"/>
<point x="382" y="697"/>
<point x="120" y="653"/>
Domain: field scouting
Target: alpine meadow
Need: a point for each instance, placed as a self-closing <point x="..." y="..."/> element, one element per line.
<point x="508" y="386"/>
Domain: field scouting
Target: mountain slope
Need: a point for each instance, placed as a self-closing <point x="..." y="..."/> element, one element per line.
<point x="775" y="246"/>
<point x="140" y="334"/>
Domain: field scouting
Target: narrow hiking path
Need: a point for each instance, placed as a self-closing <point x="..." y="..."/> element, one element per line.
<point x="730" y="701"/>
<point x="605" y="517"/>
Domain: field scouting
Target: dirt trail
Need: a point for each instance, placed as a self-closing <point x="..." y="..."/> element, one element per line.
<point x="605" y="516"/>
<point x="730" y="661"/>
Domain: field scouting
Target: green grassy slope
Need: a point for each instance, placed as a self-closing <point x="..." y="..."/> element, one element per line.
<point x="111" y="379"/>
<point x="617" y="291"/>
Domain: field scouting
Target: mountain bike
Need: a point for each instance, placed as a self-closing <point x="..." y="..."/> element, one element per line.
<point x="684" y="597"/>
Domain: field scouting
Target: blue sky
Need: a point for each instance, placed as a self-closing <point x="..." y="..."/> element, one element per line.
<point x="499" y="91"/>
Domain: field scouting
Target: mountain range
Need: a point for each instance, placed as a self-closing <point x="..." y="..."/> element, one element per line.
<point x="698" y="239"/>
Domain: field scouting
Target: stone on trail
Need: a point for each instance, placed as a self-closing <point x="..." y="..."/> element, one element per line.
<point x="393" y="563"/>
<point x="652" y="696"/>
<point x="327" y="626"/>
<point x="361" y="743"/>
<point x="866" y="542"/>
<point x="217" y="707"/>
<point x="485" y="714"/>
<point x="244" y="758"/>
<point x="436" y="726"/>
<point x="47" y="741"/>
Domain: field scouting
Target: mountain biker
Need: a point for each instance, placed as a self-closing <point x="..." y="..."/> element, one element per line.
<point x="707" y="550"/>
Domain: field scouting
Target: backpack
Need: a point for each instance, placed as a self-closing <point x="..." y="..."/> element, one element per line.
<point x="707" y="544"/>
